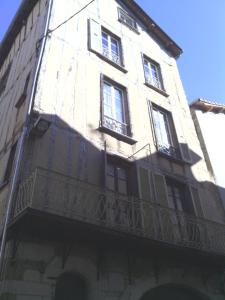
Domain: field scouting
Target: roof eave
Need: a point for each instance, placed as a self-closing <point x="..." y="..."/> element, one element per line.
<point x="153" y="28"/>
<point x="207" y="106"/>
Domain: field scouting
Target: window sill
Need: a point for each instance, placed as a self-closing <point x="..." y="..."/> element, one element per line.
<point x="162" y="92"/>
<point x="172" y="158"/>
<point x="119" y="67"/>
<point x="119" y="136"/>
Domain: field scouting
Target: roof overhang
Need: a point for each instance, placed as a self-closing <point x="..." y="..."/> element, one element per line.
<point x="27" y="5"/>
<point x="207" y="106"/>
<point x="153" y="28"/>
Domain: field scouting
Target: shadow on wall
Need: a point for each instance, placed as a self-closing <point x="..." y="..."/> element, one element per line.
<point x="68" y="179"/>
<point x="149" y="195"/>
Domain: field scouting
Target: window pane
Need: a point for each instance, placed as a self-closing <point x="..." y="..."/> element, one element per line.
<point x="122" y="174"/>
<point x="105" y="40"/>
<point x="155" y="75"/>
<point x="161" y="128"/>
<point x="110" y="180"/>
<point x="119" y="115"/>
<point x="122" y="186"/>
<point x="114" y="47"/>
<point x="152" y="73"/>
<point x="107" y="100"/>
<point x="176" y="193"/>
<point x="111" y="48"/>
<point x="122" y="180"/>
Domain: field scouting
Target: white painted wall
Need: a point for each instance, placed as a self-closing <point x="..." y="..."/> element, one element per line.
<point x="212" y="126"/>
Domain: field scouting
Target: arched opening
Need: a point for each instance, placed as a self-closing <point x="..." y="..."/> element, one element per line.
<point x="172" y="292"/>
<point x="70" y="286"/>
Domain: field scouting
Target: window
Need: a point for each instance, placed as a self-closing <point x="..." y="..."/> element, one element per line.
<point x="24" y="93"/>
<point x="165" y="136"/>
<point x="121" y="182"/>
<point x="111" y="48"/>
<point x="117" y="178"/>
<point x="9" y="166"/>
<point x="179" y="197"/>
<point x="152" y="72"/>
<point x="180" y="200"/>
<point x="114" y="110"/>
<point x="3" y="80"/>
<point x="106" y="45"/>
<point x="127" y="20"/>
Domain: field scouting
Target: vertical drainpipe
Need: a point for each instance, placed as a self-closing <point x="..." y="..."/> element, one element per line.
<point x="20" y="146"/>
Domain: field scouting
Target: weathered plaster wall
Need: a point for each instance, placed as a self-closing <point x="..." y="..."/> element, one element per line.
<point x="69" y="95"/>
<point x="22" y="57"/>
<point x="109" y="274"/>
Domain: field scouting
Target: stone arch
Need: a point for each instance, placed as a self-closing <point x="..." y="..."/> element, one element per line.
<point x="70" y="286"/>
<point x="172" y="291"/>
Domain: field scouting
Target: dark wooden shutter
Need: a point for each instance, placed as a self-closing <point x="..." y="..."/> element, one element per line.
<point x="144" y="183"/>
<point x="185" y="152"/>
<point x="133" y="180"/>
<point x="187" y="201"/>
<point x="104" y="168"/>
<point x="160" y="189"/>
<point x="197" y="201"/>
<point x="95" y="39"/>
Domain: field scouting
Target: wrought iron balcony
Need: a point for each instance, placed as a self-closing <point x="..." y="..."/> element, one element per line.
<point x="81" y="201"/>
<point x="153" y="81"/>
<point x="169" y="150"/>
<point x="111" y="55"/>
<point x="115" y="125"/>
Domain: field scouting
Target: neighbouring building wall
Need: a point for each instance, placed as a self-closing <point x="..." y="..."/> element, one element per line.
<point x="209" y="126"/>
<point x="16" y="78"/>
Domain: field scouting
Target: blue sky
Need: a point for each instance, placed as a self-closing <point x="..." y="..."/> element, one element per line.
<point x="198" y="26"/>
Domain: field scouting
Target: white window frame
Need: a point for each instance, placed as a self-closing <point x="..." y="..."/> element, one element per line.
<point x="155" y="81"/>
<point x="110" y="121"/>
<point x="124" y="18"/>
<point x="171" y="148"/>
<point x="107" y="52"/>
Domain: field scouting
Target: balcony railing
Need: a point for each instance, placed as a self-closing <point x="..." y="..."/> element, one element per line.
<point x="153" y="81"/>
<point x="169" y="150"/>
<point x="71" y="198"/>
<point x="111" y="55"/>
<point x="115" y="125"/>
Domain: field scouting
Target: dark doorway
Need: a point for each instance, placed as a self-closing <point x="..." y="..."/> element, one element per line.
<point x="70" y="286"/>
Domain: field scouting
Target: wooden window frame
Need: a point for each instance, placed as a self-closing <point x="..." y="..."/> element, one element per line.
<point x="95" y="31"/>
<point x="172" y="150"/>
<point x="149" y="82"/>
<point x="124" y="136"/>
<point x="124" y="18"/>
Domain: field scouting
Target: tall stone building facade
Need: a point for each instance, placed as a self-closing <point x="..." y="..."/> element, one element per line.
<point x="104" y="188"/>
